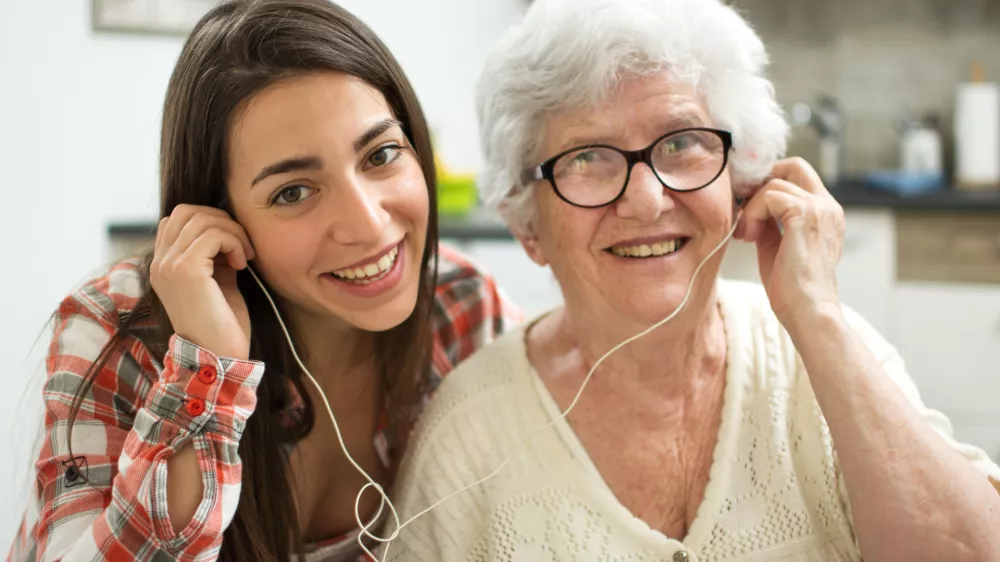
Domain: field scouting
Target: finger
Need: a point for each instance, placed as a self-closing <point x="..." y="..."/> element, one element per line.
<point x="193" y="229"/>
<point x="239" y="232"/>
<point x="213" y="243"/>
<point x="791" y="188"/>
<point x="192" y="209"/>
<point x="160" y="227"/>
<point x="200" y="222"/>
<point x="176" y="222"/>
<point x="784" y="206"/>
<point x="756" y="212"/>
<point x="768" y="244"/>
<point x="799" y="172"/>
<point x="234" y="228"/>
<point x="204" y="226"/>
<point x="181" y="214"/>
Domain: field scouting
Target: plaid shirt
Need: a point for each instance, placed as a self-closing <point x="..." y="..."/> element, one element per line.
<point x="111" y="503"/>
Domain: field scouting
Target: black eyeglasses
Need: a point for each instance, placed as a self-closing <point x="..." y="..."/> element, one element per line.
<point x="597" y="175"/>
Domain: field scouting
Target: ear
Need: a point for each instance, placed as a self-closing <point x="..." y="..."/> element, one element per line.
<point x="529" y="241"/>
<point x="744" y="192"/>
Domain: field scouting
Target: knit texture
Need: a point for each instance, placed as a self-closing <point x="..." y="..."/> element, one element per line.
<point x="775" y="491"/>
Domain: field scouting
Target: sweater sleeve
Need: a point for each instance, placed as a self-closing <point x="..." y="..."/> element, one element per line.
<point x="109" y="501"/>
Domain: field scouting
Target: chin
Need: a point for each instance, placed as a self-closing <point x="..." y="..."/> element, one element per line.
<point x="650" y="305"/>
<point x="384" y="317"/>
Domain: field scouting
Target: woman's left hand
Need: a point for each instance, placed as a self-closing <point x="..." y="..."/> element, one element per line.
<point x="798" y="263"/>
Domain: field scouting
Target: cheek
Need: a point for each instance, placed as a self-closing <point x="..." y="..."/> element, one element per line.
<point x="285" y="251"/>
<point x="412" y="197"/>
<point x="713" y="206"/>
<point x="565" y="232"/>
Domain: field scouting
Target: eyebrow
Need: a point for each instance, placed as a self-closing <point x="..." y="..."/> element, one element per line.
<point x="374" y="132"/>
<point x="684" y="120"/>
<point x="314" y="163"/>
<point x="288" y="165"/>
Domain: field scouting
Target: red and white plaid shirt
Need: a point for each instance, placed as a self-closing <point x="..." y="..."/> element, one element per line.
<point x="141" y="408"/>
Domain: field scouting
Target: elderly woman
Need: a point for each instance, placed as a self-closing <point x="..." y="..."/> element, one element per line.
<point x="758" y="423"/>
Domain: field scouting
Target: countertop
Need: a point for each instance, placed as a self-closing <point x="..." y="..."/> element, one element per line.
<point x="857" y="194"/>
<point x="485" y="225"/>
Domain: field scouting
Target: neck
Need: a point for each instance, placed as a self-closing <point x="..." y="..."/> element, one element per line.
<point x="330" y="348"/>
<point x="691" y="345"/>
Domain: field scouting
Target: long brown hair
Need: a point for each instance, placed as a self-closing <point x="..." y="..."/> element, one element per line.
<point x="235" y="51"/>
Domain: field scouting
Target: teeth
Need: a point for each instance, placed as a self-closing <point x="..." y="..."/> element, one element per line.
<point x="646" y="250"/>
<point x="371" y="271"/>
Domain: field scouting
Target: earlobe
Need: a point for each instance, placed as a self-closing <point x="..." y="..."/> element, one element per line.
<point x="532" y="248"/>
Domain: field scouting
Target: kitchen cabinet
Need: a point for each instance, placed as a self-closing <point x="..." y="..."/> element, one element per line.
<point x="866" y="274"/>
<point x="949" y="336"/>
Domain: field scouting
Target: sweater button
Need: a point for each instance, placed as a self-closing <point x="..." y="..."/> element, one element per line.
<point x="681" y="556"/>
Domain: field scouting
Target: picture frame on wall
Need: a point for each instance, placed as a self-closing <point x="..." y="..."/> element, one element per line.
<point x="161" y="17"/>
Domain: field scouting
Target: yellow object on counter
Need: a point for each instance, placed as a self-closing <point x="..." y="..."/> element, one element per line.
<point x="456" y="192"/>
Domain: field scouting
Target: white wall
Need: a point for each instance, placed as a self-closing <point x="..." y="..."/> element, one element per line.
<point x="78" y="142"/>
<point x="79" y="127"/>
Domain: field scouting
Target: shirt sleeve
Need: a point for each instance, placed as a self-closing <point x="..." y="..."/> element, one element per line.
<point x="109" y="501"/>
<point x="470" y="311"/>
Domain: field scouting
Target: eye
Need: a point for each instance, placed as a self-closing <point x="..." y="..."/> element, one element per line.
<point x="582" y="159"/>
<point x="383" y="156"/>
<point x="291" y="195"/>
<point x="676" y="144"/>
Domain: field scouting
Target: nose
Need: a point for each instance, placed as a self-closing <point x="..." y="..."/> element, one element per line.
<point x="644" y="199"/>
<point x="358" y="214"/>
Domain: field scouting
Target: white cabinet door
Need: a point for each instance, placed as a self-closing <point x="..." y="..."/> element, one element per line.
<point x="867" y="271"/>
<point x="949" y="336"/>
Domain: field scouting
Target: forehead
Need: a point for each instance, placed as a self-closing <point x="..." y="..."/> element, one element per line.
<point x="304" y="113"/>
<point x="637" y="108"/>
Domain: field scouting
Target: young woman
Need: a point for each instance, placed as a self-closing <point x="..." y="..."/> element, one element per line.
<point x="178" y="424"/>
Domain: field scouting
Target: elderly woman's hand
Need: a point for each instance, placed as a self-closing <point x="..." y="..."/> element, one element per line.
<point x="798" y="261"/>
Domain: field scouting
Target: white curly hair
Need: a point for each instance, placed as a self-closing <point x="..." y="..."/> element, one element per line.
<point x="573" y="53"/>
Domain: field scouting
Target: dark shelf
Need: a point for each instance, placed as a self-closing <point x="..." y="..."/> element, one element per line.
<point x="856" y="194"/>
<point x="454" y="228"/>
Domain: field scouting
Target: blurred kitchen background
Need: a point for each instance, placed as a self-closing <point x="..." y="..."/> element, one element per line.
<point x="895" y="101"/>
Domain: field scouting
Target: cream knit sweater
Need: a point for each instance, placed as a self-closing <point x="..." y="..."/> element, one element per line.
<point x="774" y="494"/>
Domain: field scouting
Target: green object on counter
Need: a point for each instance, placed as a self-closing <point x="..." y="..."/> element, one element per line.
<point x="456" y="194"/>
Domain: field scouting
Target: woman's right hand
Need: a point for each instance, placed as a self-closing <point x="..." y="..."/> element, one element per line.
<point x="197" y="253"/>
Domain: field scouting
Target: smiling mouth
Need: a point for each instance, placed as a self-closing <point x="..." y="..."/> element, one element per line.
<point x="641" y="251"/>
<point x="371" y="271"/>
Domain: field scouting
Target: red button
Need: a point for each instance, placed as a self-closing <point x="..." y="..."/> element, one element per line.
<point x="207" y="374"/>
<point x="195" y="406"/>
